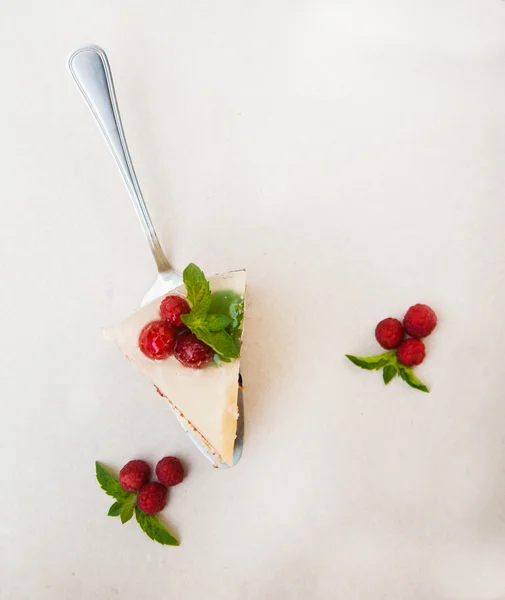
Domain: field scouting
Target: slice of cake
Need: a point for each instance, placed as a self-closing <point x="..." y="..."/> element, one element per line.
<point x="187" y="343"/>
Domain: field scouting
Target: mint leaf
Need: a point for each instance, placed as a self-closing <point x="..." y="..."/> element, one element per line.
<point x="127" y="508"/>
<point x="408" y="376"/>
<point x="217" y="322"/>
<point x="371" y="362"/>
<point x="213" y="329"/>
<point x="195" y="320"/>
<point x="388" y="373"/>
<point x="197" y="288"/>
<point x="154" y="528"/>
<point x="220" y="341"/>
<point x="109" y="484"/>
<point x="115" y="509"/>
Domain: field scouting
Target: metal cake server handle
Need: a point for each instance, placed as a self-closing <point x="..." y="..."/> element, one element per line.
<point x="91" y="71"/>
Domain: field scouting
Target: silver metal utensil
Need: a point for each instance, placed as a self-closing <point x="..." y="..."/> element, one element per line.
<point x="90" y="68"/>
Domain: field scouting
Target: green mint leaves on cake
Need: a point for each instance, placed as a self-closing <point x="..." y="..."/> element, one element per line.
<point x="202" y="327"/>
<point x="127" y="503"/>
<point x="403" y="341"/>
<point x="215" y="318"/>
<point x="197" y="289"/>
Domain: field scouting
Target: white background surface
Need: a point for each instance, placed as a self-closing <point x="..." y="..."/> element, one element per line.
<point x="351" y="156"/>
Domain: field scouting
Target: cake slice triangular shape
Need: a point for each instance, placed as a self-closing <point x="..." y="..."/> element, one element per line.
<point x="204" y="399"/>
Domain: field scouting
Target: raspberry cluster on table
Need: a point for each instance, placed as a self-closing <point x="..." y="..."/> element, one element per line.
<point x="151" y="496"/>
<point x="402" y="352"/>
<point x="419" y="322"/>
<point x="168" y="336"/>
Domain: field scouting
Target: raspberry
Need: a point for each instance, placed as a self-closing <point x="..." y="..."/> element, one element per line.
<point x="411" y="352"/>
<point x="152" y="498"/>
<point x="134" y="475"/>
<point x="169" y="471"/>
<point x="171" y="309"/>
<point x="389" y="333"/>
<point x="157" y="340"/>
<point x="420" y="321"/>
<point x="192" y="352"/>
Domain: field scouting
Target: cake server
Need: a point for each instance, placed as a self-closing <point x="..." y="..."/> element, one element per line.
<point x="91" y="71"/>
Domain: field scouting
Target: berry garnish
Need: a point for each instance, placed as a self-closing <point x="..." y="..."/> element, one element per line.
<point x="420" y="321"/>
<point x="134" y="475"/>
<point x="411" y="352"/>
<point x="157" y="340"/>
<point x="171" y="309"/>
<point x="152" y="498"/>
<point x="389" y="333"/>
<point x="192" y="352"/>
<point x="169" y="471"/>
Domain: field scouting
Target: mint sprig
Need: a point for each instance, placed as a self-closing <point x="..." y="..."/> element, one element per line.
<point x="123" y="508"/>
<point x="127" y="508"/>
<point x="408" y="376"/>
<point x="115" y="509"/>
<point x="371" y="362"/>
<point x="218" y="322"/>
<point x="109" y="484"/>
<point x="154" y="528"/>
<point x="390" y="366"/>
<point x="388" y="373"/>
<point x="126" y="505"/>
<point x="220" y="341"/>
<point x="197" y="288"/>
<point x="211" y="328"/>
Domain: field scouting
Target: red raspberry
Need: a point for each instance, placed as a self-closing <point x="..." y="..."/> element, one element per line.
<point x="157" y="340"/>
<point x="192" y="352"/>
<point x="171" y="309"/>
<point x="152" y="498"/>
<point x="169" y="471"/>
<point x="389" y="333"/>
<point x="420" y="321"/>
<point x="134" y="475"/>
<point x="411" y="352"/>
